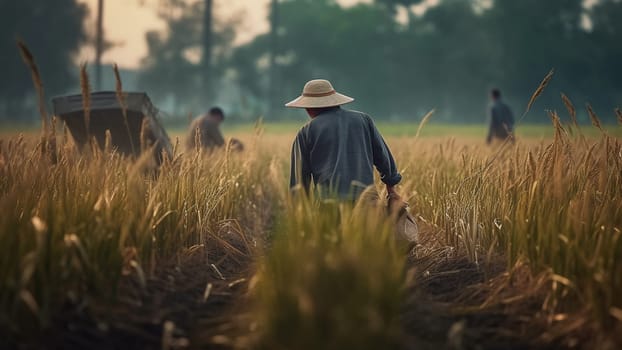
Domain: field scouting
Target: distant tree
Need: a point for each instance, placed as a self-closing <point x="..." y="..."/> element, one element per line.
<point x="394" y="4"/>
<point x="176" y="65"/>
<point x="447" y="61"/>
<point x="206" y="59"/>
<point x="53" y="30"/>
<point x="605" y="52"/>
<point x="449" y="57"/>
<point x="529" y="37"/>
<point x="274" y="51"/>
<point x="321" y="39"/>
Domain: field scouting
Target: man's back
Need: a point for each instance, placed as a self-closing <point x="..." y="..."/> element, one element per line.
<point x="209" y="133"/>
<point x="338" y="149"/>
<point x="501" y="120"/>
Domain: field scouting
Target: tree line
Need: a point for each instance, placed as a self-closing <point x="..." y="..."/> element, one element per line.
<point x="398" y="64"/>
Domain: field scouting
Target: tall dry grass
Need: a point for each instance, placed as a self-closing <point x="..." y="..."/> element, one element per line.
<point x="554" y="205"/>
<point x="71" y="230"/>
<point x="333" y="278"/>
<point x="121" y="99"/>
<point x="47" y="141"/>
<point x="85" y="88"/>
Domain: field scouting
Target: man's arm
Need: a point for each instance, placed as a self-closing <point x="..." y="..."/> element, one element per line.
<point x="383" y="159"/>
<point x="216" y="136"/>
<point x="300" y="172"/>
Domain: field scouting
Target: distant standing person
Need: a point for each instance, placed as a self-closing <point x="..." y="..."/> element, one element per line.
<point x="338" y="148"/>
<point x="206" y="130"/>
<point x="501" y="119"/>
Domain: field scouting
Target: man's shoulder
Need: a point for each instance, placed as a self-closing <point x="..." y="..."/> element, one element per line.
<point x="354" y="113"/>
<point x="500" y="104"/>
<point x="198" y="122"/>
<point x="208" y="123"/>
<point x="195" y="122"/>
<point x="358" y="115"/>
<point x="333" y="117"/>
<point x="497" y="106"/>
<point x="304" y="130"/>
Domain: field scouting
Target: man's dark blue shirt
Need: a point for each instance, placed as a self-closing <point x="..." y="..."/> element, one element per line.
<point x="337" y="151"/>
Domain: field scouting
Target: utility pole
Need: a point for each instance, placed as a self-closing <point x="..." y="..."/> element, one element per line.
<point x="99" y="44"/>
<point x="206" y="61"/>
<point x="273" y="80"/>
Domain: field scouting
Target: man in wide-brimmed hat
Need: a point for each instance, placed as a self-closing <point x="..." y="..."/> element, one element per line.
<point x="338" y="149"/>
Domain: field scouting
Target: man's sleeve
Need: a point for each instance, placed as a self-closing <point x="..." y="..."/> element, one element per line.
<point x="383" y="159"/>
<point x="300" y="172"/>
<point x="216" y="136"/>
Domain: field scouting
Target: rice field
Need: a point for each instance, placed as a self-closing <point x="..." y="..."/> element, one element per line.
<point x="520" y="247"/>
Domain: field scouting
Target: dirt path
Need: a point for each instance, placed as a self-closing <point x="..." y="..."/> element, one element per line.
<point x="438" y="316"/>
<point x="186" y="304"/>
<point x="196" y="303"/>
<point x="456" y="304"/>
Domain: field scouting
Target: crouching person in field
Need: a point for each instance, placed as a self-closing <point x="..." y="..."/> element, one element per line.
<point x="205" y="131"/>
<point x="338" y="149"/>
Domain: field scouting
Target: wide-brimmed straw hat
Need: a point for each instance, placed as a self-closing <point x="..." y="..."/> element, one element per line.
<point x="319" y="93"/>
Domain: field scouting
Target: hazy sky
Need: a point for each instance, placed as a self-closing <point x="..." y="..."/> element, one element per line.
<point x="127" y="21"/>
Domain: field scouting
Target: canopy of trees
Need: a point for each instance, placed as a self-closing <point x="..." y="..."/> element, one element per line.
<point x="398" y="64"/>
<point x="176" y="68"/>
<point x="53" y="30"/>
<point x="447" y="58"/>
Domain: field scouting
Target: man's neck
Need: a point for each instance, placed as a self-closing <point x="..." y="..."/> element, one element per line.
<point x="314" y="112"/>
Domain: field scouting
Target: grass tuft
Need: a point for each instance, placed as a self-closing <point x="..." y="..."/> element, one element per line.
<point x="333" y="279"/>
<point x="121" y="100"/>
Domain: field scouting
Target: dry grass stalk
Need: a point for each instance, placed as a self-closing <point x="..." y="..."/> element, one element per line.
<point x="48" y="139"/>
<point x="95" y="150"/>
<point x="532" y="163"/>
<point x="424" y="120"/>
<point x="559" y="132"/>
<point x="593" y="117"/>
<point x="51" y="141"/>
<point x="36" y="79"/>
<point x="121" y="99"/>
<point x="108" y="143"/>
<point x="571" y="110"/>
<point x="85" y="88"/>
<point x="619" y="115"/>
<point x="259" y="127"/>
<point x="144" y="135"/>
<point x="197" y="139"/>
<point x="539" y="90"/>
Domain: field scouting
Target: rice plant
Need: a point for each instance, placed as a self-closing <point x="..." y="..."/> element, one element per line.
<point x="333" y="278"/>
<point x="71" y="230"/>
